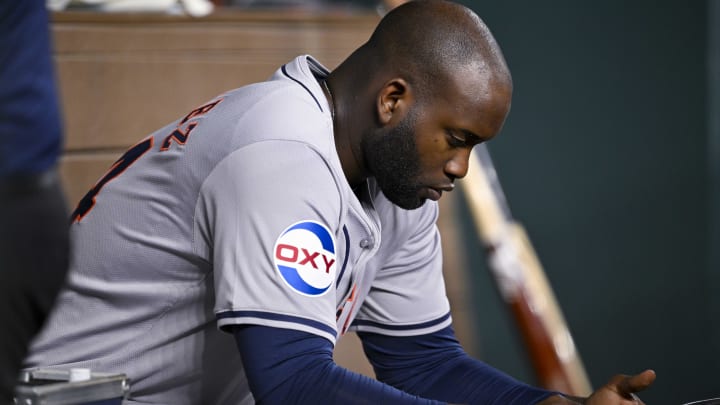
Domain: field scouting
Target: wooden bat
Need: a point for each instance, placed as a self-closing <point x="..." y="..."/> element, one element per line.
<point x="522" y="282"/>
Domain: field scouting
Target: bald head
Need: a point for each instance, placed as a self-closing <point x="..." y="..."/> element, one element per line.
<point x="430" y="74"/>
<point x="427" y="41"/>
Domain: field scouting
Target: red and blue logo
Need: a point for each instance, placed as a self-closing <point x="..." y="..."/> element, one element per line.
<point x="305" y="257"/>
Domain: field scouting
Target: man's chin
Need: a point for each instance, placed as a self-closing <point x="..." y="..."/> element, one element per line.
<point x="407" y="203"/>
<point x="405" y="196"/>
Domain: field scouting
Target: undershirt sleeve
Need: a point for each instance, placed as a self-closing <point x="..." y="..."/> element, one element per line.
<point x="285" y="366"/>
<point x="435" y="366"/>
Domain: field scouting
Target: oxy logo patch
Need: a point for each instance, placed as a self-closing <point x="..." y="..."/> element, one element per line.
<point x="305" y="257"/>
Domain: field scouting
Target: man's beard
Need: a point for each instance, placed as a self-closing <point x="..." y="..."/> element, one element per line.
<point x="391" y="157"/>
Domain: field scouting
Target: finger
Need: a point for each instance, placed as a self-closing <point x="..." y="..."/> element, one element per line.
<point x="638" y="382"/>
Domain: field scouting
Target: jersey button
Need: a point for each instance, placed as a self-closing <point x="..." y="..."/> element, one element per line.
<point x="367" y="243"/>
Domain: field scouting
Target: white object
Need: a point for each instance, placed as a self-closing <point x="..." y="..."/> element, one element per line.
<point x="79" y="374"/>
<point x="195" y="8"/>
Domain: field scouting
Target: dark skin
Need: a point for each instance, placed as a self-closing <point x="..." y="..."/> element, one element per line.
<point x="375" y="96"/>
<point x="446" y="128"/>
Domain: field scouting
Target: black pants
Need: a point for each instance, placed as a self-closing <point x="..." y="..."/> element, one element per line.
<point x="33" y="264"/>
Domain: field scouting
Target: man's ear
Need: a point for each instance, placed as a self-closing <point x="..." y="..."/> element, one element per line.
<point x="393" y="101"/>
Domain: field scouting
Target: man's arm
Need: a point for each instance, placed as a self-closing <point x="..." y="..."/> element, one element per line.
<point x="435" y="366"/>
<point x="285" y="366"/>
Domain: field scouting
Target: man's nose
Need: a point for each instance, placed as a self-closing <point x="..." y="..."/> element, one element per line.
<point x="457" y="166"/>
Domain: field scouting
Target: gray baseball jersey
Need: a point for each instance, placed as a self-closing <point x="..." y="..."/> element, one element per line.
<point x="238" y="213"/>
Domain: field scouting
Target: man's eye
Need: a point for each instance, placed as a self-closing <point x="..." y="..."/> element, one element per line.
<point x="456" y="140"/>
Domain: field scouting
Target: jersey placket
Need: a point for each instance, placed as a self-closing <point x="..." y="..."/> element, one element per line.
<point x="361" y="278"/>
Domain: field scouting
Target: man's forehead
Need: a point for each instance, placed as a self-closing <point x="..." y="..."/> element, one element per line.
<point x="477" y="101"/>
<point x="469" y="87"/>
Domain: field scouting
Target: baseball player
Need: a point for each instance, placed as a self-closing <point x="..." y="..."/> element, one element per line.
<point x="33" y="219"/>
<point x="285" y="213"/>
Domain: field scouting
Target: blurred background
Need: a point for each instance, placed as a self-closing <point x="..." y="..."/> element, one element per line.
<point x="610" y="157"/>
<point x="611" y="160"/>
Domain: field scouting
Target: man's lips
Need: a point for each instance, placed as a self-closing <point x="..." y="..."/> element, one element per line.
<point x="434" y="193"/>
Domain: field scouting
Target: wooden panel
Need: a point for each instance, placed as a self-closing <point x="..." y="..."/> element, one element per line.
<point x="114" y="103"/>
<point x="123" y="76"/>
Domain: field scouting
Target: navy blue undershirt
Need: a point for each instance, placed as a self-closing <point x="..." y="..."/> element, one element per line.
<point x="286" y="366"/>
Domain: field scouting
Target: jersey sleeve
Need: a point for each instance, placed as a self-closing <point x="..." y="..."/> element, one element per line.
<point x="408" y="294"/>
<point x="269" y="214"/>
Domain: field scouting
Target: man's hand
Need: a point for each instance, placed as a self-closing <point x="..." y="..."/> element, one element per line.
<point x="619" y="391"/>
